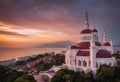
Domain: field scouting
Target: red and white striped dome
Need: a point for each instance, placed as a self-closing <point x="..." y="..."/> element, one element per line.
<point x="85" y="31"/>
<point x="86" y="45"/>
<point x="83" y="45"/>
<point x="100" y="54"/>
<point x="103" y="54"/>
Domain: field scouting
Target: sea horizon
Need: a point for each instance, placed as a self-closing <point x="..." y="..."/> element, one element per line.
<point x="14" y="53"/>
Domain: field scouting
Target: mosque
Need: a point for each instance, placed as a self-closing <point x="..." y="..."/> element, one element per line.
<point x="88" y="54"/>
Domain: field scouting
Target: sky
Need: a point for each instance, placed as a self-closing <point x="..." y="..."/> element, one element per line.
<point x="26" y="23"/>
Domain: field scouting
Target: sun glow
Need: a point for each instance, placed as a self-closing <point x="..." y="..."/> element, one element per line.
<point x="27" y="36"/>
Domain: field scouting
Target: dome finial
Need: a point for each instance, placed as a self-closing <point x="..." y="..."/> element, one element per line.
<point x="86" y="20"/>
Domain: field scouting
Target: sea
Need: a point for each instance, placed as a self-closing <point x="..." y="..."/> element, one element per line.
<point x="11" y="53"/>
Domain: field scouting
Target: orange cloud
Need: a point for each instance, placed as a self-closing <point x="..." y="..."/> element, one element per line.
<point x="14" y="37"/>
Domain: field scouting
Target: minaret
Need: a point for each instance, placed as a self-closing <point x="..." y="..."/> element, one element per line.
<point x="111" y="42"/>
<point x="111" y="47"/>
<point x="93" y="53"/>
<point x="96" y="33"/>
<point x="86" y="20"/>
<point x="104" y="37"/>
<point x="92" y="49"/>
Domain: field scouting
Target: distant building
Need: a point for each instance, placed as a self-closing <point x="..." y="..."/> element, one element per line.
<point x="88" y="54"/>
<point x="24" y="58"/>
<point x="8" y="62"/>
<point x="34" y="56"/>
<point x="51" y="53"/>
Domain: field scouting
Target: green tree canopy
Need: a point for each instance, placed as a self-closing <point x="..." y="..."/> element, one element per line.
<point x="10" y="75"/>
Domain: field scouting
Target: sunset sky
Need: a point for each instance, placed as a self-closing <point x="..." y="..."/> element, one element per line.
<point x="26" y="23"/>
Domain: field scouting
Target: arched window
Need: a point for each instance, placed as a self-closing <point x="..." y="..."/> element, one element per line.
<point x="96" y="64"/>
<point x="89" y="63"/>
<point x="84" y="63"/>
<point x="79" y="63"/>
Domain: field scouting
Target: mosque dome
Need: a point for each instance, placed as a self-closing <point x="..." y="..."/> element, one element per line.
<point x="83" y="53"/>
<point x="85" y="31"/>
<point x="103" y="54"/>
<point x="86" y="45"/>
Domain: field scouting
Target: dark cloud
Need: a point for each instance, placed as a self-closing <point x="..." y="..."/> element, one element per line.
<point x="33" y="13"/>
<point x="33" y="10"/>
<point x="11" y="33"/>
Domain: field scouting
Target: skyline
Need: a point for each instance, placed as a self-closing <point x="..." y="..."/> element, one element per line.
<point x="34" y="22"/>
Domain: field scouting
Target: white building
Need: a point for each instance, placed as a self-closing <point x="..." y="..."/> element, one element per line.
<point x="25" y="58"/>
<point x="88" y="54"/>
<point x="8" y="62"/>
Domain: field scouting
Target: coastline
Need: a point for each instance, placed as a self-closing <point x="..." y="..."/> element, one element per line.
<point x="15" y="53"/>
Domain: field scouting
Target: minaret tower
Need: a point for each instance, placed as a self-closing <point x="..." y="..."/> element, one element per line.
<point x="85" y="34"/>
<point x="111" y="42"/>
<point x="95" y="33"/>
<point x="86" y="20"/>
<point x="93" y="53"/>
<point x="104" y="37"/>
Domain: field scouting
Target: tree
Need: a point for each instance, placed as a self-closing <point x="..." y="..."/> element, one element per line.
<point x="67" y="77"/>
<point x="116" y="55"/>
<point x="77" y="77"/>
<point x="58" y="77"/>
<point x="9" y="75"/>
<point x="25" y="78"/>
<point x="88" y="77"/>
<point x="105" y="74"/>
<point x="59" y="59"/>
<point x="117" y="73"/>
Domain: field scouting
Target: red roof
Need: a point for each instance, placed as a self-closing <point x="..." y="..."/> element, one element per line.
<point x="106" y="44"/>
<point x="83" y="53"/>
<point x="24" y="68"/>
<point x="85" y="31"/>
<point x="86" y="45"/>
<point x="33" y="64"/>
<point x="100" y="54"/>
<point x="94" y="30"/>
<point x="83" y="45"/>
<point x="74" y="47"/>
<point x="103" y="54"/>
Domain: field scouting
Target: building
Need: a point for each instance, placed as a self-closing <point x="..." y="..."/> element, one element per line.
<point x="88" y="54"/>
<point x="25" y="58"/>
<point x="8" y="62"/>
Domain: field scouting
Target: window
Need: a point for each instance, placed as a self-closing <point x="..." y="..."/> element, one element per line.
<point x="84" y="63"/>
<point x="96" y="64"/>
<point x="79" y="63"/>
